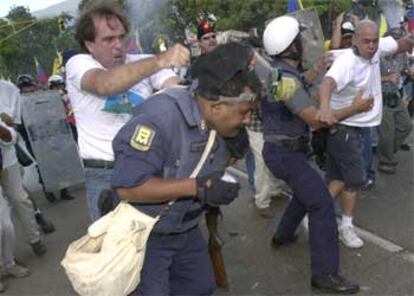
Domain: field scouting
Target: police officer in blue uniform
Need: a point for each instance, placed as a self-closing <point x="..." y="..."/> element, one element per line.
<point x="287" y="113"/>
<point x="156" y="151"/>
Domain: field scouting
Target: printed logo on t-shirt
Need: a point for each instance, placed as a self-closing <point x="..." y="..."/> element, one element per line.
<point x="122" y="103"/>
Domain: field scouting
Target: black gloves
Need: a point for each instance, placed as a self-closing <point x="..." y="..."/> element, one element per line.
<point x="107" y="201"/>
<point x="213" y="191"/>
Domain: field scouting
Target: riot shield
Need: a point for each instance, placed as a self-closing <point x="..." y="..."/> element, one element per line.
<point x="265" y="72"/>
<point x="312" y="36"/>
<point x="51" y="139"/>
<point x="231" y="36"/>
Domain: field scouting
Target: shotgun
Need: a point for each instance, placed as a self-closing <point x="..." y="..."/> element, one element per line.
<point x="214" y="247"/>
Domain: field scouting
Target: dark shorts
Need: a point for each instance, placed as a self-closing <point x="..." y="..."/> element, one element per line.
<point x="345" y="161"/>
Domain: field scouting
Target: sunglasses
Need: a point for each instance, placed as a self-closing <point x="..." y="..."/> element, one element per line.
<point x="205" y="38"/>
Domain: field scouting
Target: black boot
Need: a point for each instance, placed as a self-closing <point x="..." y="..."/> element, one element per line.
<point x="50" y="196"/>
<point x="279" y="240"/>
<point x="333" y="283"/>
<point x="44" y="224"/>
<point x="65" y="195"/>
<point x="38" y="248"/>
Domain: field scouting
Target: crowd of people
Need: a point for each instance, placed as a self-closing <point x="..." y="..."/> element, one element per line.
<point x="140" y="145"/>
<point x="17" y="153"/>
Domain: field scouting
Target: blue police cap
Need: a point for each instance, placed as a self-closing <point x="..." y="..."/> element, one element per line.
<point x="216" y="68"/>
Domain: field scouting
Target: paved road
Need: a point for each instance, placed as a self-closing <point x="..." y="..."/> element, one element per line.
<point x="385" y="266"/>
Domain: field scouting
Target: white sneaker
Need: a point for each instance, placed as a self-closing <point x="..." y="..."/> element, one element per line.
<point x="349" y="237"/>
<point x="305" y="225"/>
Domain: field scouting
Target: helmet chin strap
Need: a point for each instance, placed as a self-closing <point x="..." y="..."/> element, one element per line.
<point x="292" y="54"/>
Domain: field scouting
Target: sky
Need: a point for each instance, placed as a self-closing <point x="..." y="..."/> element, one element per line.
<point x="32" y="4"/>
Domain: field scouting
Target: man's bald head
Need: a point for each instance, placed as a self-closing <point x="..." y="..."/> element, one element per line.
<point x="365" y="25"/>
<point x="366" y="39"/>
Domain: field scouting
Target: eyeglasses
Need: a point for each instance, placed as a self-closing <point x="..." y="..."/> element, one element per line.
<point x="205" y="38"/>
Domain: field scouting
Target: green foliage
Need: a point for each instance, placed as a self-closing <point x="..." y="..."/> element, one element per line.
<point x="19" y="13"/>
<point x="29" y="37"/>
<point x="231" y="14"/>
<point x="242" y="15"/>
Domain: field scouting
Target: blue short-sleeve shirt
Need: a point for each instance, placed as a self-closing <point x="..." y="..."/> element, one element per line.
<point x="280" y="118"/>
<point x="165" y="139"/>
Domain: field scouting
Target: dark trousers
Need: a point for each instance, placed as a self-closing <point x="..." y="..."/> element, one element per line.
<point x="177" y="264"/>
<point x="367" y="152"/>
<point x="310" y="196"/>
<point x="394" y="129"/>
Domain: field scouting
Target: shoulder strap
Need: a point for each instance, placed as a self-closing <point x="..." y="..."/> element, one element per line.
<point x="197" y="169"/>
<point x="206" y="152"/>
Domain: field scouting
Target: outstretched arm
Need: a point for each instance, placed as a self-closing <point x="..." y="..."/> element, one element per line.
<point x="325" y="114"/>
<point x="311" y="115"/>
<point x="405" y="44"/>
<point x="105" y="82"/>
<point x="159" y="190"/>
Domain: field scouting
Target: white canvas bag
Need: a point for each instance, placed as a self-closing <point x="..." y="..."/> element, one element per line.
<point x="107" y="261"/>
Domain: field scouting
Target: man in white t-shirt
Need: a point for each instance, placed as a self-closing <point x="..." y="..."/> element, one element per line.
<point x="356" y="70"/>
<point x="104" y="84"/>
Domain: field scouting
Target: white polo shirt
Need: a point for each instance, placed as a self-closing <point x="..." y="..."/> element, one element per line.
<point x="351" y="73"/>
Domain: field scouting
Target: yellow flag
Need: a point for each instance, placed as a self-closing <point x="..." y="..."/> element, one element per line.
<point x="57" y="64"/>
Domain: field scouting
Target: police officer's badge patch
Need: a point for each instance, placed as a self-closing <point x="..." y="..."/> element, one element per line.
<point x="203" y="124"/>
<point x="142" y="138"/>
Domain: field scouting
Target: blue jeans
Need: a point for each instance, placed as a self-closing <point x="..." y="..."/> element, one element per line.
<point x="96" y="180"/>
<point x="250" y="166"/>
<point x="367" y="153"/>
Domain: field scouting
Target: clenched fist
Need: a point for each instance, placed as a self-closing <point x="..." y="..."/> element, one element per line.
<point x="176" y="56"/>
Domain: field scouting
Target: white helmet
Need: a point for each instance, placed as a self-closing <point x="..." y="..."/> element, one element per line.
<point x="55" y="80"/>
<point x="279" y="34"/>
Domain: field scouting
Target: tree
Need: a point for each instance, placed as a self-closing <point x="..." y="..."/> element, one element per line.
<point x="29" y="37"/>
<point x="242" y="15"/>
<point x="19" y="13"/>
<point x="14" y="47"/>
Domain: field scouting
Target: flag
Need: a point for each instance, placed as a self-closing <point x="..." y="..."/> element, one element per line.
<point x="294" y="5"/>
<point x="41" y="75"/>
<point x="134" y="46"/>
<point x="61" y="24"/>
<point x="410" y="15"/>
<point x="57" y="64"/>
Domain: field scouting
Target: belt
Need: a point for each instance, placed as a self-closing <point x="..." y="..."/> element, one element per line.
<point x="334" y="129"/>
<point x="98" y="163"/>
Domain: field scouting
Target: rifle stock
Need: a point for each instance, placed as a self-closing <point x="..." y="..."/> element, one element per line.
<point x="215" y="245"/>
